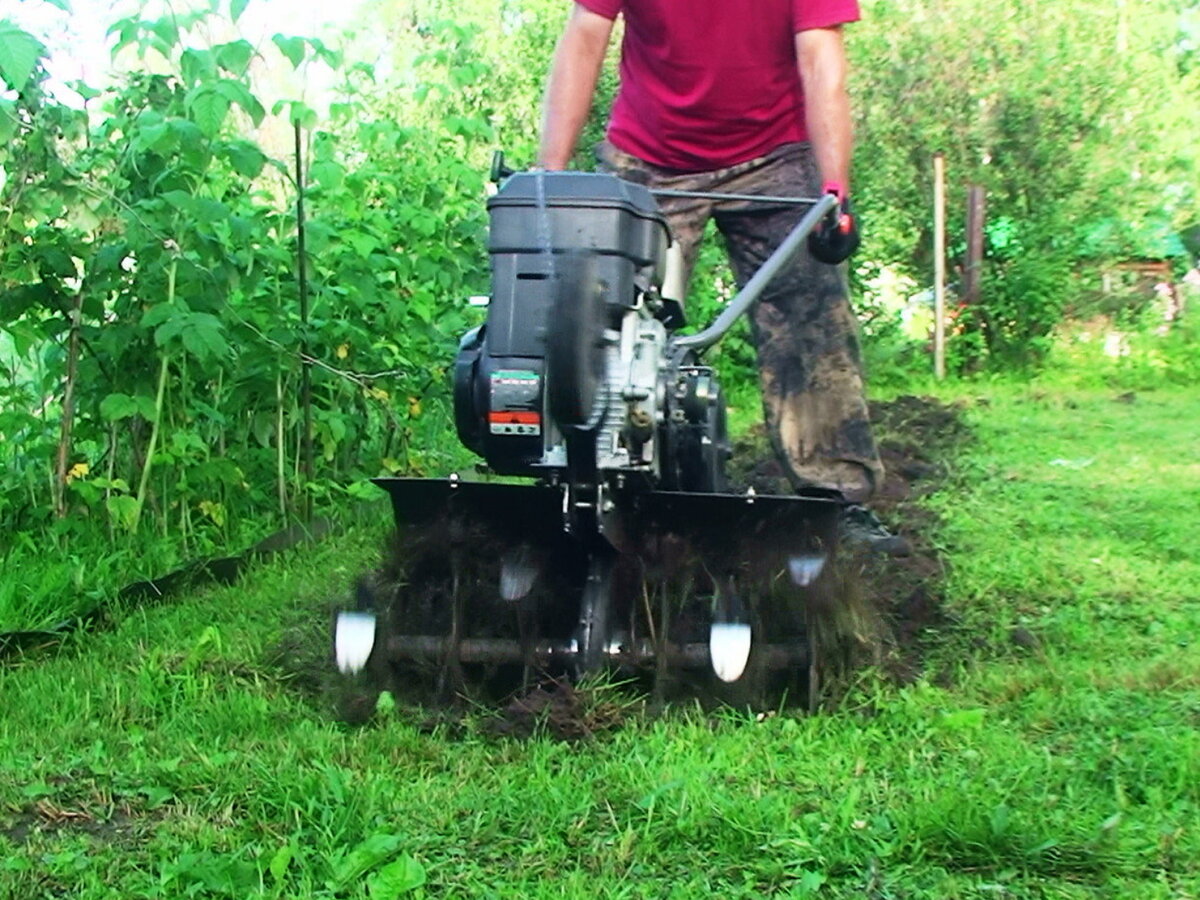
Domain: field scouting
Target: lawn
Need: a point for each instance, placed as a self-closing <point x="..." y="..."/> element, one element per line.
<point x="1049" y="749"/>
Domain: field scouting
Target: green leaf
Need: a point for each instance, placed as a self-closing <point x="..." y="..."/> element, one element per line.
<point x="327" y="174"/>
<point x="365" y="857"/>
<point x="146" y="407"/>
<point x="84" y="91"/>
<point x="298" y="113"/>
<point x="126" y="30"/>
<point x="1001" y="821"/>
<point x="60" y="4"/>
<point x="236" y="92"/>
<point x="245" y="158"/>
<point x="197" y="65"/>
<point x="809" y="883"/>
<point x="233" y="91"/>
<point x="114" y="484"/>
<point x="19" y="53"/>
<point x="8" y="121"/>
<point x="203" y="338"/>
<point x="318" y="236"/>
<point x="169" y="330"/>
<point x="962" y="720"/>
<point x="262" y="426"/>
<point x="394" y="879"/>
<point x="115" y="407"/>
<point x="331" y="58"/>
<point x="167" y="32"/>
<point x="208" y="110"/>
<point x="291" y="47"/>
<point x="235" y="56"/>
<point x="282" y="859"/>
<point x="254" y="110"/>
<point x="206" y="210"/>
<point x="157" y="795"/>
<point x="236" y="8"/>
<point x="83" y="218"/>
<point x="160" y="312"/>
<point x="57" y="261"/>
<point x="123" y="510"/>
<point x="160" y="138"/>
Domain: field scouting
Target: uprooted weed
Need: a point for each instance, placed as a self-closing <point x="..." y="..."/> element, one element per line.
<point x="564" y="711"/>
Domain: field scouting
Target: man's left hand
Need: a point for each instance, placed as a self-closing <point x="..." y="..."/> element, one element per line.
<point x="837" y="237"/>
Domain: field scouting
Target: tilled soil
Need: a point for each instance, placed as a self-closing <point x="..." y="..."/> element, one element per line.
<point x="918" y="439"/>
<point x="886" y="608"/>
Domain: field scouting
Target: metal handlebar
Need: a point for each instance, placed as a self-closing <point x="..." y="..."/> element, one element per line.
<point x="756" y="285"/>
<point x="720" y="196"/>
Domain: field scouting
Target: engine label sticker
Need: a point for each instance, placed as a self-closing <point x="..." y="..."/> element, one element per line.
<point x="515" y="406"/>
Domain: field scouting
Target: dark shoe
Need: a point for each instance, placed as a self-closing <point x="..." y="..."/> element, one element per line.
<point x="861" y="528"/>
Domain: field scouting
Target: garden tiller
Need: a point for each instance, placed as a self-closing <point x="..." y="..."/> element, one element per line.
<point x="600" y="532"/>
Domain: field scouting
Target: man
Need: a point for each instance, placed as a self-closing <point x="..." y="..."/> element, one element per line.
<point x="749" y="97"/>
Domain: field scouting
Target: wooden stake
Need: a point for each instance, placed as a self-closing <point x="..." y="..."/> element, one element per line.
<point x="939" y="265"/>
<point x="63" y="462"/>
<point x="305" y="365"/>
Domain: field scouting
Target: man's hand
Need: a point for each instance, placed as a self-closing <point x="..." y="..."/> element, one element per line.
<point x="834" y="239"/>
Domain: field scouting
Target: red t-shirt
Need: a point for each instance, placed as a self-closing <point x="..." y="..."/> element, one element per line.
<point x="711" y="83"/>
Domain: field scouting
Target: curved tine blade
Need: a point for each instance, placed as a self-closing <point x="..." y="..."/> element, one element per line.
<point x="806" y="568"/>
<point x="518" y="572"/>
<point x="353" y="640"/>
<point x="729" y="649"/>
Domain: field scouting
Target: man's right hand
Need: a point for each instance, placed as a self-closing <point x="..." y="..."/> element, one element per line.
<point x="836" y="238"/>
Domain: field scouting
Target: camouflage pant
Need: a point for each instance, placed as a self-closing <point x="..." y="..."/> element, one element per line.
<point x="805" y="333"/>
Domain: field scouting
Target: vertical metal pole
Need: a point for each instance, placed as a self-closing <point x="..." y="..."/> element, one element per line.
<point x="939" y="265"/>
<point x="305" y="365"/>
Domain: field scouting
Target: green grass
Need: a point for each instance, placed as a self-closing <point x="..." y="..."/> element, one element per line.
<point x="168" y="758"/>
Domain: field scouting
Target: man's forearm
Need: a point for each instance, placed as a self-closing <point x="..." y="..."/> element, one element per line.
<point x="573" y="76"/>
<point x="823" y="70"/>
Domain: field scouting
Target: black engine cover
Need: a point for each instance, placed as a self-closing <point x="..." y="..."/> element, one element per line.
<point x="538" y="222"/>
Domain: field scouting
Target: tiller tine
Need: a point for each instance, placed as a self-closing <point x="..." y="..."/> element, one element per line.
<point x="756" y="556"/>
<point x="491" y="579"/>
<point x="354" y="631"/>
<point x="353" y="640"/>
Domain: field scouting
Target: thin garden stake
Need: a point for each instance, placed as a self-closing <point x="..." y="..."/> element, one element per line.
<point x="68" y="410"/>
<point x="939" y="265"/>
<point x="305" y="365"/>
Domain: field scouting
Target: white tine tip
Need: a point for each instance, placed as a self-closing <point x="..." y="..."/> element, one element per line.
<point x="353" y="640"/>
<point x="517" y="574"/>
<point x="806" y="569"/>
<point x="729" y="649"/>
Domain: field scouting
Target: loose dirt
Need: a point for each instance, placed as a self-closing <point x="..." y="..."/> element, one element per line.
<point x="885" y="610"/>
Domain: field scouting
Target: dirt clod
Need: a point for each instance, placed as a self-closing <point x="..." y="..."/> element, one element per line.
<point x="918" y="438"/>
<point x="1024" y="638"/>
<point x="564" y="711"/>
